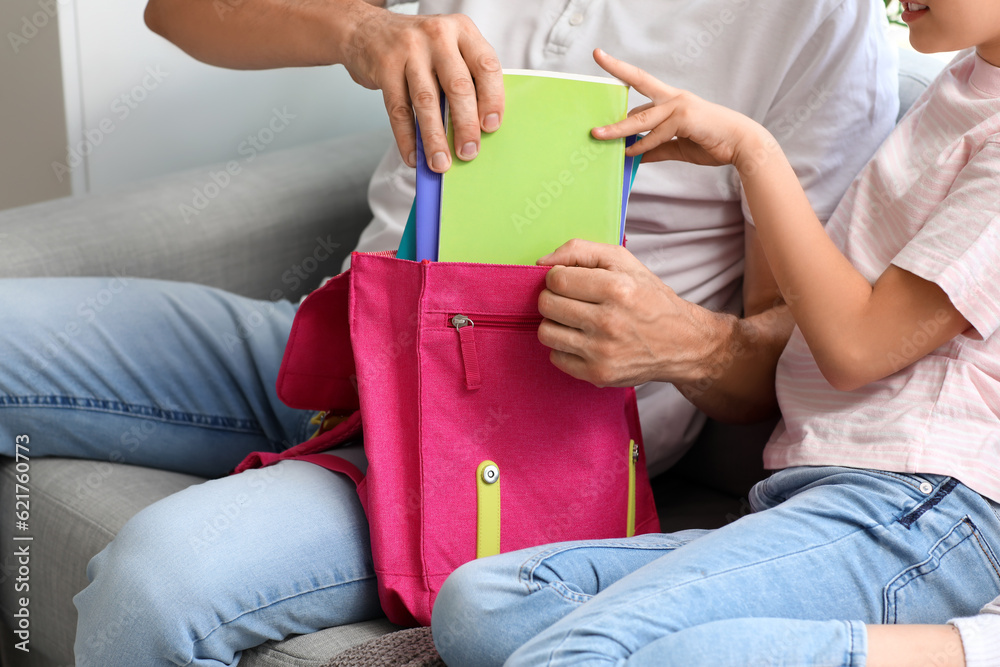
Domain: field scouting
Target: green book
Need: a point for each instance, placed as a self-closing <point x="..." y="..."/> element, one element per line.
<point x="541" y="179"/>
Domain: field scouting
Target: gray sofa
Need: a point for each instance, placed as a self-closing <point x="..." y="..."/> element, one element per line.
<point x="257" y="228"/>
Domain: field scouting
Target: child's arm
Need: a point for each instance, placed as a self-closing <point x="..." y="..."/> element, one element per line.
<point x="909" y="645"/>
<point x="855" y="330"/>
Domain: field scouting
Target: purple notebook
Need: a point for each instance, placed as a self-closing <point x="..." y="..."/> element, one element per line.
<point x="427" y="203"/>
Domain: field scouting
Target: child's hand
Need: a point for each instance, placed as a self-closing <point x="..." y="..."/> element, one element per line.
<point x="681" y="126"/>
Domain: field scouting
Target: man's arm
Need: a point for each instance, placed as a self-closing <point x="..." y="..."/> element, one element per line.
<point x="620" y="326"/>
<point x="737" y="384"/>
<point x="406" y="57"/>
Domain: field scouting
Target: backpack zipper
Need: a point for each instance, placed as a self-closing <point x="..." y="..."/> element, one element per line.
<point x="465" y="326"/>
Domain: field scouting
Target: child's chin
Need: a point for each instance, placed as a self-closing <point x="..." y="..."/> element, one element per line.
<point x="924" y="46"/>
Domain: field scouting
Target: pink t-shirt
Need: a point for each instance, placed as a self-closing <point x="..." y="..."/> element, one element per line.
<point x="928" y="202"/>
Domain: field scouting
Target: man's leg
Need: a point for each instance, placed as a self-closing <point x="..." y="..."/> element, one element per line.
<point x="226" y="565"/>
<point x="155" y="373"/>
<point x="832" y="543"/>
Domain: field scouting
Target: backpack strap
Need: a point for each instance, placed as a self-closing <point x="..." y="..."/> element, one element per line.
<point x="347" y="430"/>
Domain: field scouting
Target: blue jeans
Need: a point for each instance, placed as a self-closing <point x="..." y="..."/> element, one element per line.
<point x="826" y="550"/>
<point x="181" y="377"/>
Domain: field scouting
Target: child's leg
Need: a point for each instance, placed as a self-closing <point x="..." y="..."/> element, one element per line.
<point x="488" y="608"/>
<point x="774" y="642"/>
<point x="842" y="544"/>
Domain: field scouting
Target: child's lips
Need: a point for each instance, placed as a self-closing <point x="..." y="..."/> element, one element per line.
<point x="912" y="11"/>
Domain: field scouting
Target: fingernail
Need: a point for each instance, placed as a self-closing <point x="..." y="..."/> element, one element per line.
<point x="439" y="161"/>
<point x="492" y="122"/>
<point x="411" y="159"/>
<point x="470" y="150"/>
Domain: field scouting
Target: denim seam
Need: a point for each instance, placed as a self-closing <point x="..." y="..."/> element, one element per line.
<point x="526" y="573"/>
<point x="859" y="643"/>
<point x="921" y="509"/>
<point x="931" y="558"/>
<point x="850" y="635"/>
<point x="131" y="409"/>
<point x="995" y="507"/>
<point x="564" y="591"/>
<point x="270" y="604"/>
<point x="987" y="550"/>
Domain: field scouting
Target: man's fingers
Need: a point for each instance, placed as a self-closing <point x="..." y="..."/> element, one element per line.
<point x="426" y="100"/>
<point x="561" y="337"/>
<point x="578" y="252"/>
<point x="570" y="364"/>
<point x="568" y="311"/>
<point x="397" y="106"/>
<point x="488" y="75"/>
<point x="460" y="90"/>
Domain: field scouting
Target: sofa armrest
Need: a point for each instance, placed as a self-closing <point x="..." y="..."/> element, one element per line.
<point x="271" y="229"/>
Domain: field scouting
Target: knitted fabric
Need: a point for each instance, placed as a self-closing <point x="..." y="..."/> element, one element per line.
<point x="407" y="648"/>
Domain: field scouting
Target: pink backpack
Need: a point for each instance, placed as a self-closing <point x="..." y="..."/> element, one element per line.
<point x="476" y="443"/>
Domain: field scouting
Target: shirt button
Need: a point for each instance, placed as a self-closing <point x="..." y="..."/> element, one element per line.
<point x="926" y="488"/>
<point x="576" y="19"/>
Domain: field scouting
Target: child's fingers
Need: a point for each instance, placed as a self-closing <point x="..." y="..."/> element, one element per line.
<point x="660" y="134"/>
<point x="641" y="108"/>
<point x="645" y="83"/>
<point x="669" y="150"/>
<point x="642" y="120"/>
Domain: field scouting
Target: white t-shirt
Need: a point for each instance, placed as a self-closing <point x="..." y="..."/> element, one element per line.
<point x="821" y="76"/>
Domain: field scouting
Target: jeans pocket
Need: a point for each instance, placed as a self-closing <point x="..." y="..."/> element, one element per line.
<point x="959" y="575"/>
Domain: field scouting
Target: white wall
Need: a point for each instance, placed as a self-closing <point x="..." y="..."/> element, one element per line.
<point x="137" y="107"/>
<point x="197" y="114"/>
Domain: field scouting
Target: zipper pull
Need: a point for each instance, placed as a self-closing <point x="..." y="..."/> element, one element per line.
<point x="464" y="326"/>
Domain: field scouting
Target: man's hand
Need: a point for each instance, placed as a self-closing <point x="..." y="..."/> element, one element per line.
<point x="407" y="58"/>
<point x="611" y="321"/>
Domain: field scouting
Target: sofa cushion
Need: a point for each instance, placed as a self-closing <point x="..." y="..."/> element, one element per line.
<point x="76" y="508"/>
